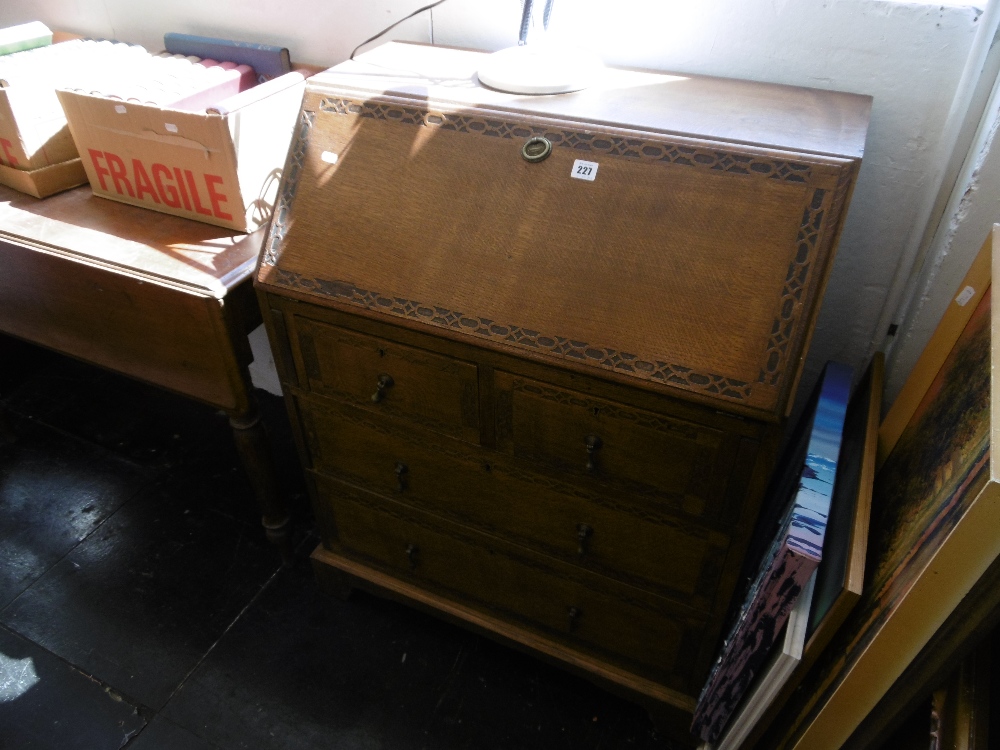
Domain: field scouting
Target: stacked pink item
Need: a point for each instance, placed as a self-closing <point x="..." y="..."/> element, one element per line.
<point x="181" y="83"/>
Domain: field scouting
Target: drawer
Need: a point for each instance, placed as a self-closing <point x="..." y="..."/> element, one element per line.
<point x="616" y="535"/>
<point x="648" y="633"/>
<point x="436" y="392"/>
<point x="646" y="453"/>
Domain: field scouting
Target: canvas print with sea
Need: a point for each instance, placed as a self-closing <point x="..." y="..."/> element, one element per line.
<point x="791" y="559"/>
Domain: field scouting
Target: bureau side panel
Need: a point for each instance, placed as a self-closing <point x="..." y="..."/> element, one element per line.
<point x="163" y="336"/>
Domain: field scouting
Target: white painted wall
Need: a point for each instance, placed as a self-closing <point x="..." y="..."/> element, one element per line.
<point x="971" y="209"/>
<point x="908" y="56"/>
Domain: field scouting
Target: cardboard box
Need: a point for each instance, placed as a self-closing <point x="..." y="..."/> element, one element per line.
<point x="45" y="181"/>
<point x="37" y="153"/>
<point x="221" y="166"/>
<point x="33" y="130"/>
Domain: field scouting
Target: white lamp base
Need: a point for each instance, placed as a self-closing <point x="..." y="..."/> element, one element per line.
<point x="540" y="69"/>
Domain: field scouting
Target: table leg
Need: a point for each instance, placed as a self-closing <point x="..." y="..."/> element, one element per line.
<point x="254" y="449"/>
<point x="6" y="433"/>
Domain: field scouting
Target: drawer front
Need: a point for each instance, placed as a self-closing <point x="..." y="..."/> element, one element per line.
<point x="686" y="464"/>
<point x="436" y="392"/>
<point x="615" y="535"/>
<point x="645" y="632"/>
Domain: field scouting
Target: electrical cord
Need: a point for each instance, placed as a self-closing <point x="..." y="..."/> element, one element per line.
<point x="387" y="29"/>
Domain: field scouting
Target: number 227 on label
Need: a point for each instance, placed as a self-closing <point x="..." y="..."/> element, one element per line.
<point x="584" y="170"/>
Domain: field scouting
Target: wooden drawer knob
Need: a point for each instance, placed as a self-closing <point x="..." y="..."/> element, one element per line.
<point x="573" y="616"/>
<point x="594" y="444"/>
<point x="383" y="384"/>
<point x="583" y="533"/>
<point x="402" y="472"/>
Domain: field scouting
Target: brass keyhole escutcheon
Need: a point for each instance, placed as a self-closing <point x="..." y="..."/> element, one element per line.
<point x="412" y="551"/>
<point x="536" y="149"/>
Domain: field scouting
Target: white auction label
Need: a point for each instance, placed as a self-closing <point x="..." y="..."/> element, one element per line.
<point x="967" y="294"/>
<point x="584" y="170"/>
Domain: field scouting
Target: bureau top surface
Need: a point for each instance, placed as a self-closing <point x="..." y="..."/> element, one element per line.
<point x="763" y="114"/>
<point x="197" y="258"/>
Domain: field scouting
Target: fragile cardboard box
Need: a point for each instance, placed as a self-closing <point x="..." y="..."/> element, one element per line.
<point x="221" y="166"/>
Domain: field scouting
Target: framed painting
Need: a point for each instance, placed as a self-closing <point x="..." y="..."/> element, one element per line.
<point x="803" y="488"/>
<point x="962" y="707"/>
<point x="776" y="674"/>
<point x="967" y="297"/>
<point x="935" y="512"/>
<point x="836" y="586"/>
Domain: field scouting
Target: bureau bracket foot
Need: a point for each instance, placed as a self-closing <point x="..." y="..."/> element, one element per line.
<point x="254" y="449"/>
<point x="333" y="582"/>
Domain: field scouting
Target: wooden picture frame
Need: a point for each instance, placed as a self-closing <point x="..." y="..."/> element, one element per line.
<point x="803" y="489"/>
<point x="960" y="709"/>
<point x="936" y="509"/>
<point x="774" y="677"/>
<point x="950" y="327"/>
<point x="836" y="587"/>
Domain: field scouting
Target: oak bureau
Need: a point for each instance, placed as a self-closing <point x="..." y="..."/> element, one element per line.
<point x="538" y="350"/>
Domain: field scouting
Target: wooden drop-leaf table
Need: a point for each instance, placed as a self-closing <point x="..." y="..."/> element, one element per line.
<point x="162" y="299"/>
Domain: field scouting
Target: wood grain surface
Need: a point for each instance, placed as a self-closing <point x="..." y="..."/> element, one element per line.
<point x="161" y="299"/>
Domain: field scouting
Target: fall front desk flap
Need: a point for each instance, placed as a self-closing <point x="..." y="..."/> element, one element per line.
<point x="677" y="229"/>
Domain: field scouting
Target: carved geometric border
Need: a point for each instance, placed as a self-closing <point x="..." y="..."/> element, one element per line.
<point x="633" y="148"/>
<point x="568" y="349"/>
<point x="292" y="174"/>
<point x="791" y="293"/>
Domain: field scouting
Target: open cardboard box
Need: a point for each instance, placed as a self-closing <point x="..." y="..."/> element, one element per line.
<point x="45" y="181"/>
<point x="37" y="153"/>
<point x="221" y="166"/>
<point x="33" y="132"/>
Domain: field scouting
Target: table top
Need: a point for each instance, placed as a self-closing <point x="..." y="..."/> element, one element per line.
<point x="198" y="258"/>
